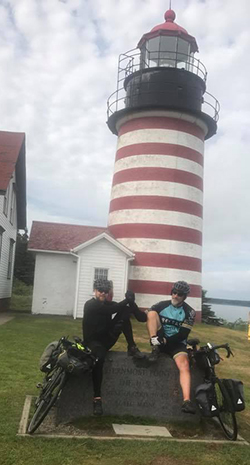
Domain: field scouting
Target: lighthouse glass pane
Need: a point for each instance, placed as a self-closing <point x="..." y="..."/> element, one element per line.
<point x="168" y="51"/>
<point x="182" y="56"/>
<point x="152" y="52"/>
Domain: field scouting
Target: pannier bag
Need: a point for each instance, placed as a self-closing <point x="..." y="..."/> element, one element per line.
<point x="234" y="388"/>
<point x="75" y="365"/>
<point x="49" y="356"/>
<point x="206" y="400"/>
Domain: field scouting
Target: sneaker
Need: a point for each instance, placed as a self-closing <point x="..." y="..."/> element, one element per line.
<point x="153" y="357"/>
<point x="97" y="407"/>
<point x="188" y="407"/>
<point x="134" y="352"/>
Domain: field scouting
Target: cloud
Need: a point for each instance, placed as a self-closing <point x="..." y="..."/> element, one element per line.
<point x="58" y="67"/>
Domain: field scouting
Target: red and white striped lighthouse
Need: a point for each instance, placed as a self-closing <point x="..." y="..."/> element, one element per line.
<point x="161" y="115"/>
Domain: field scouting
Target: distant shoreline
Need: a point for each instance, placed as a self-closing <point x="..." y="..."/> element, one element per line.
<point x="236" y="303"/>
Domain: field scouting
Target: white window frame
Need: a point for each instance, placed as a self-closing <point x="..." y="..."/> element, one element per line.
<point x="6" y="201"/>
<point x="1" y="240"/>
<point x="13" y="203"/>
<point x="10" y="259"/>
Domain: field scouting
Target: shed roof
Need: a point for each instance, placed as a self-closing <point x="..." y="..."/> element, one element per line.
<point x="12" y="158"/>
<point x="59" y="237"/>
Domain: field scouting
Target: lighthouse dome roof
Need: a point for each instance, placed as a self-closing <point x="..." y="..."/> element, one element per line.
<point x="170" y="28"/>
<point x="169" y="24"/>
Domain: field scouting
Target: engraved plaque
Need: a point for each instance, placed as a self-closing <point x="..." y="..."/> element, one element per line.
<point x="130" y="387"/>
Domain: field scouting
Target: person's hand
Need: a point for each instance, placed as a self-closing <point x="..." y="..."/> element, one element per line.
<point x="130" y="296"/>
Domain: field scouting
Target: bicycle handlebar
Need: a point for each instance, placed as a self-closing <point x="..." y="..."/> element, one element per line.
<point x="209" y="347"/>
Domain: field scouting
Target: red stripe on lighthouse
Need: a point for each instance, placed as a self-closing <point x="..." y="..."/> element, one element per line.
<point x="161" y="260"/>
<point x="156" y="231"/>
<point x="150" y="148"/>
<point x="158" y="287"/>
<point x="157" y="122"/>
<point x="156" y="203"/>
<point x="158" y="174"/>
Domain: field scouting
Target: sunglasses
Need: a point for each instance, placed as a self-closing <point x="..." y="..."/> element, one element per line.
<point x="180" y="294"/>
<point x="103" y="290"/>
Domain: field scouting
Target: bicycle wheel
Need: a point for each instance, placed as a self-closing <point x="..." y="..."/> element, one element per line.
<point x="47" y="398"/>
<point x="226" y="414"/>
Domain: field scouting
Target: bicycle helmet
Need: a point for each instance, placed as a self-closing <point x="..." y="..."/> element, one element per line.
<point x="181" y="286"/>
<point x="102" y="285"/>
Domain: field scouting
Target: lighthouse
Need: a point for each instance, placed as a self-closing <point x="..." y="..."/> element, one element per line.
<point x="162" y="114"/>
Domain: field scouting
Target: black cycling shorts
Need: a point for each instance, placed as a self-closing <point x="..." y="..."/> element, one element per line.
<point x="173" y="350"/>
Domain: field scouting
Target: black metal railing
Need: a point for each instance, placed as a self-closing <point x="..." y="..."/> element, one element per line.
<point x="134" y="61"/>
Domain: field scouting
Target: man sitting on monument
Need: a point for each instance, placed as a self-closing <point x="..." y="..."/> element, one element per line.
<point x="101" y="331"/>
<point x="169" y="323"/>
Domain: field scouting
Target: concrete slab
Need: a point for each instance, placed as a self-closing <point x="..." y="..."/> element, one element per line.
<point x="25" y="415"/>
<point x="134" y="438"/>
<point x="141" y="430"/>
<point x="4" y="318"/>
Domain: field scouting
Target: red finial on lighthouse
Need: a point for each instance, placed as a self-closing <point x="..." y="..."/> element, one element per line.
<point x="170" y="16"/>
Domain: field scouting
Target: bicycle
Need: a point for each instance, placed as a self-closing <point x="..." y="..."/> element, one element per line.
<point x="214" y="397"/>
<point x="67" y="358"/>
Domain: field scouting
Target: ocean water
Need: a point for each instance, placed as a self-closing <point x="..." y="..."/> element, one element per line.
<point x="231" y="313"/>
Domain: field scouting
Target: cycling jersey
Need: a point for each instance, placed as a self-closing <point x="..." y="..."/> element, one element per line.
<point x="176" y="321"/>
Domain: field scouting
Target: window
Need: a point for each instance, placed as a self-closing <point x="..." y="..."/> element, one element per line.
<point x="1" y="240"/>
<point x="6" y="201"/>
<point x="10" y="260"/>
<point x="101" y="273"/>
<point x="13" y="203"/>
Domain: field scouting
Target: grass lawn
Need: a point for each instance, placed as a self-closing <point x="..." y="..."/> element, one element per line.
<point x="22" y="341"/>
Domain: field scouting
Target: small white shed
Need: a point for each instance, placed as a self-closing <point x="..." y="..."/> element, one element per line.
<point x="68" y="260"/>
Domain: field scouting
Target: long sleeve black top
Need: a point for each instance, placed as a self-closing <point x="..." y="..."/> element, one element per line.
<point x="97" y="318"/>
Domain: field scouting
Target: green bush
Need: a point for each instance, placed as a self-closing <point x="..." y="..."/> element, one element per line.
<point x="21" y="299"/>
<point x="20" y="288"/>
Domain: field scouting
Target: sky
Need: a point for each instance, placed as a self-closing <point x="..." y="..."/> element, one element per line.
<point x="58" y="66"/>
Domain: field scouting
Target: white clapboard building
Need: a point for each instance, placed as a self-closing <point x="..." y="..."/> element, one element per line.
<point x="12" y="206"/>
<point x="68" y="260"/>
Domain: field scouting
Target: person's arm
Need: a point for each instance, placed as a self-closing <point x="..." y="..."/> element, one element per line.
<point x="113" y="307"/>
<point x="140" y="315"/>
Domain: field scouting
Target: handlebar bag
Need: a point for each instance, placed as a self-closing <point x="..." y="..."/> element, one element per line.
<point x="206" y="400"/>
<point x="49" y="356"/>
<point x="201" y="359"/>
<point x="234" y="388"/>
<point x="75" y="365"/>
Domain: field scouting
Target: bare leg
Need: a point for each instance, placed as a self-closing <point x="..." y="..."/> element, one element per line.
<point x="185" y="377"/>
<point x="153" y="323"/>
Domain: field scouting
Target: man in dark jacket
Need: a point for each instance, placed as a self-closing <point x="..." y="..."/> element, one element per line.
<point x="169" y="324"/>
<point x="101" y="331"/>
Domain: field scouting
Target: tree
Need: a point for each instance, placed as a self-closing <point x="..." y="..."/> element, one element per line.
<point x="24" y="260"/>
<point x="206" y="307"/>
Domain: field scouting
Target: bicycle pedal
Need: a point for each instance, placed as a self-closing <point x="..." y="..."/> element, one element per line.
<point x="39" y="385"/>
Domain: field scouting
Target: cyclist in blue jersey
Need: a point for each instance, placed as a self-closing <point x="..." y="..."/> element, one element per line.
<point x="169" y="323"/>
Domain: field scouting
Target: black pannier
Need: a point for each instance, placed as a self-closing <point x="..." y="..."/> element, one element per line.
<point x="206" y="400"/>
<point x="234" y="388"/>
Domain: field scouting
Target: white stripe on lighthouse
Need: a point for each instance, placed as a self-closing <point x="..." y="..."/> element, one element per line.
<point x="162" y="246"/>
<point x="167" y="136"/>
<point x="158" y="161"/>
<point x="160" y="188"/>
<point x="150" y="273"/>
<point x="155" y="217"/>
